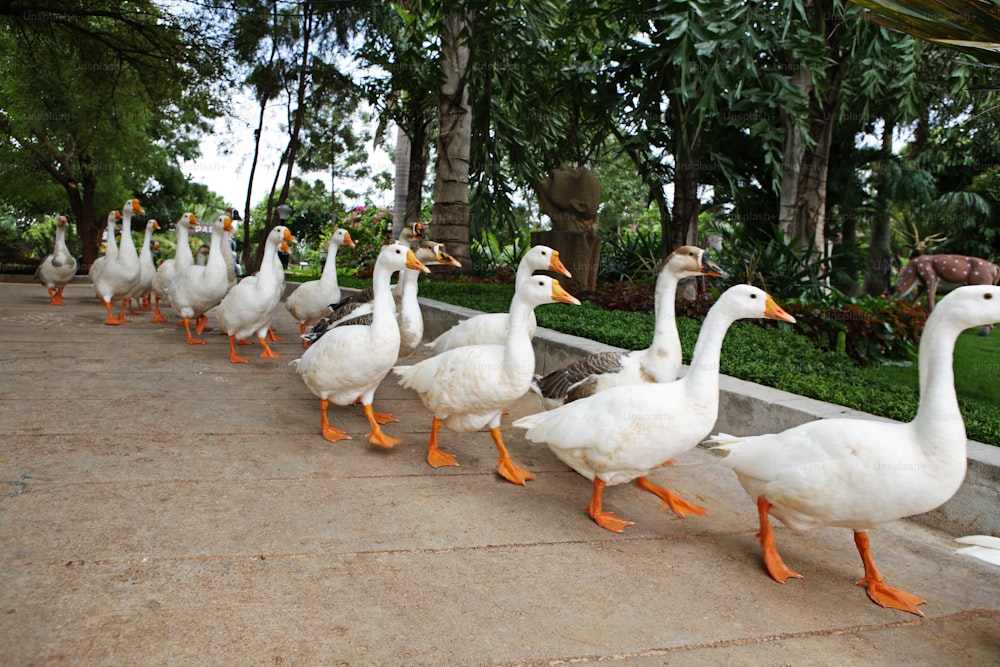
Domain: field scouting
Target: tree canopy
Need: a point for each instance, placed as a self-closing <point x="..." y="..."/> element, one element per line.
<point x="851" y="131"/>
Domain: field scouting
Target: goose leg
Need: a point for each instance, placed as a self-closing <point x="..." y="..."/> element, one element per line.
<point x="879" y="593"/>
<point x="233" y="357"/>
<point x="677" y="505"/>
<point x="191" y="340"/>
<point x="772" y="560"/>
<point x="435" y="457"/>
<point x="158" y="317"/>
<point x="111" y="316"/>
<point x="56" y="298"/>
<point x="329" y="432"/>
<point x="271" y="336"/>
<point x="376" y="436"/>
<point x="606" y="520"/>
<point x="505" y="465"/>
<point x="268" y="353"/>
<point x="121" y="313"/>
<point x="200" y="323"/>
<point x="305" y="343"/>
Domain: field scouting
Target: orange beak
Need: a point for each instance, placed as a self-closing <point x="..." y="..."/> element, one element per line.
<point x="118" y="215"/>
<point x="137" y="208"/>
<point x="555" y="264"/>
<point x="192" y="219"/>
<point x="227" y="224"/>
<point x="561" y="295"/>
<point x="413" y="263"/>
<point x="348" y="241"/>
<point x="156" y="225"/>
<point x="288" y="236"/>
<point x="445" y="258"/>
<point x="775" y="312"/>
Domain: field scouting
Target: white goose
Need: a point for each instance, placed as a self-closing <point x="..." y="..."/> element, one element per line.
<point x="57" y="270"/>
<point x="118" y="276"/>
<point x="343" y="309"/>
<point x="198" y="289"/>
<point x="169" y="268"/>
<point x="349" y="362"/>
<point x="469" y="388"/>
<point x="408" y="315"/>
<point x="858" y="473"/>
<point x="660" y="362"/>
<point x="411" y="320"/>
<point x="491" y="328"/>
<point x="249" y="306"/>
<point x="110" y="249"/>
<point x="624" y="433"/>
<point x="147" y="269"/>
<point x="311" y="301"/>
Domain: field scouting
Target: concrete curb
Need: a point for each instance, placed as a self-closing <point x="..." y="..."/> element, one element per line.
<point x="747" y="408"/>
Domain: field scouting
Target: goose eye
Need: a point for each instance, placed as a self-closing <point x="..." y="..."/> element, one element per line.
<point x="988" y="296"/>
<point x="753" y="296"/>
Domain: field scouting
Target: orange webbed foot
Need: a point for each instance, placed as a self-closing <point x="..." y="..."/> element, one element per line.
<point x="513" y="473"/>
<point x="893" y="598"/>
<point x="382" y="440"/>
<point x="334" y="434"/>
<point x="772" y="559"/>
<point x="777" y="568"/>
<point x="436" y="458"/>
<point x="608" y="521"/>
<point x="268" y="353"/>
<point x="677" y="505"/>
<point x="384" y="418"/>
<point x="376" y="436"/>
<point x="879" y="593"/>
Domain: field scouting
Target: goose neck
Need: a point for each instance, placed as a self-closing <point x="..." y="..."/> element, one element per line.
<point x="519" y="353"/>
<point x="938" y="410"/>
<point x="665" y="321"/>
<point x="330" y="266"/>
<point x="704" y="369"/>
<point x="383" y="303"/>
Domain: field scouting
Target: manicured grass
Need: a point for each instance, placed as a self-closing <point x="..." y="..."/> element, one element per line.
<point x="774" y="355"/>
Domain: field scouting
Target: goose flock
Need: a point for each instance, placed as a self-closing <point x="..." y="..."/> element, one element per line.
<point x="613" y="418"/>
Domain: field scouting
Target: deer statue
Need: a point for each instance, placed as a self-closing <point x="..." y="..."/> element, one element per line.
<point x="926" y="271"/>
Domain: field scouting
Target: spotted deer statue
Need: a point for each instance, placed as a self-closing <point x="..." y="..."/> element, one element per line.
<point x="926" y="271"/>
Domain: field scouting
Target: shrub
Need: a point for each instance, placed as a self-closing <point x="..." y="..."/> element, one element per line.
<point x="369" y="226"/>
<point x="628" y="254"/>
<point x="867" y="329"/>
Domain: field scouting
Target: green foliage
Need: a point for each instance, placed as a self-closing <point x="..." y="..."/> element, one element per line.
<point x="494" y="255"/>
<point x="632" y="254"/>
<point x="865" y="328"/>
<point x="370" y="227"/>
<point x="763" y="258"/>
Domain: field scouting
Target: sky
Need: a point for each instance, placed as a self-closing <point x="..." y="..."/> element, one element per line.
<point x="227" y="152"/>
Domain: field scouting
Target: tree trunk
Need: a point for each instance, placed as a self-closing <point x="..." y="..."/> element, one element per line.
<point x="402" y="182"/>
<point x="687" y="207"/>
<point x="793" y="153"/>
<point x="879" y="272"/>
<point x="419" y="154"/>
<point x="807" y="219"/>
<point x="263" y="96"/>
<point x="298" y="118"/>
<point x="809" y="216"/>
<point x="451" y="189"/>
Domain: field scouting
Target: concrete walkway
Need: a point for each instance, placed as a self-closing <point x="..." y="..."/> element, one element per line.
<point x="161" y="506"/>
